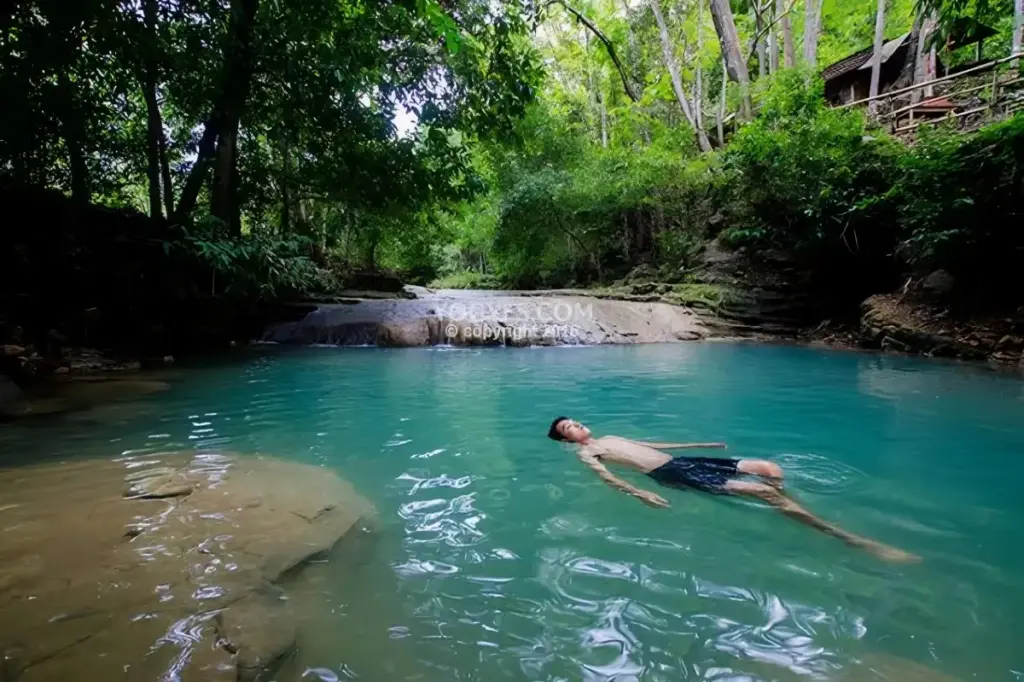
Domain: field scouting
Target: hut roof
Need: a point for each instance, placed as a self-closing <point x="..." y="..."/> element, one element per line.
<point x="862" y="59"/>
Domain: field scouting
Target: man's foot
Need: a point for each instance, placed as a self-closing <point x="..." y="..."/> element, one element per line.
<point x="893" y="555"/>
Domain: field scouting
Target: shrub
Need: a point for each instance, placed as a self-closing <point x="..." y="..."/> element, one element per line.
<point x="808" y="177"/>
<point x="960" y="202"/>
<point x="258" y="265"/>
<point x="465" y="280"/>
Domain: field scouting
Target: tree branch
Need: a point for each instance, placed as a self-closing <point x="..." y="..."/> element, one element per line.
<point x="767" y="27"/>
<point x="609" y="46"/>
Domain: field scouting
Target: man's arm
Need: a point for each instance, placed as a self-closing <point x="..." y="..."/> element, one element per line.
<point x="682" y="446"/>
<point x="608" y="477"/>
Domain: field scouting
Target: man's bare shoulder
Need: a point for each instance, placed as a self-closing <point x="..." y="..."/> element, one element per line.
<point x="592" y="449"/>
<point x="604" y="444"/>
<point x="620" y="444"/>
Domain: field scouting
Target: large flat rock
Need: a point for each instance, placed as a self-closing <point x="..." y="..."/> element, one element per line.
<point x="173" y="566"/>
<point x="490" y="318"/>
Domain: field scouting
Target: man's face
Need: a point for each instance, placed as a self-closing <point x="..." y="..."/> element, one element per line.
<point x="573" y="431"/>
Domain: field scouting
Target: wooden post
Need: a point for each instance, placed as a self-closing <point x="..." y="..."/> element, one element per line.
<point x="995" y="91"/>
<point x="876" y="58"/>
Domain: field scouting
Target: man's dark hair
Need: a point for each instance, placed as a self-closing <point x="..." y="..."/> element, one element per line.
<point x="553" y="433"/>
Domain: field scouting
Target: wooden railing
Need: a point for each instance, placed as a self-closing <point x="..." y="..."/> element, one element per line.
<point x="1002" y="94"/>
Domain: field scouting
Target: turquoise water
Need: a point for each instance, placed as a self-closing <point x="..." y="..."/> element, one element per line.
<point x="502" y="558"/>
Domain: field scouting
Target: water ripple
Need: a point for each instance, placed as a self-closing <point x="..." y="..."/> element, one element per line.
<point x="499" y="558"/>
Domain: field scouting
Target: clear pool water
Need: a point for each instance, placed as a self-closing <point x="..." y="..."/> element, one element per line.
<point x="502" y="558"/>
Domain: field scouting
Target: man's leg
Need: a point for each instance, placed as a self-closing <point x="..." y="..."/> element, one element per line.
<point x="770" y="471"/>
<point x="793" y="510"/>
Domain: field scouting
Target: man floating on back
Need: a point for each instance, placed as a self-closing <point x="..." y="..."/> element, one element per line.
<point x="708" y="474"/>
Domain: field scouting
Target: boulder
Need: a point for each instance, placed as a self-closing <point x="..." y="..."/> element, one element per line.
<point x="12" y="351"/>
<point x="9" y="394"/>
<point x="643" y="288"/>
<point x="938" y="284"/>
<point x="373" y="280"/>
<point x="404" y="334"/>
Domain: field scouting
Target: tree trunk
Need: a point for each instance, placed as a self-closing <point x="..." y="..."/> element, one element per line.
<point x="677" y="80"/>
<point x="154" y="126"/>
<point x="197" y="176"/>
<point x="221" y="132"/>
<point x="698" y="85"/>
<point x="1018" y="28"/>
<point x="721" y="108"/>
<point x="735" y="62"/>
<point x="224" y="198"/>
<point x="286" y="172"/>
<point x="72" y="129"/>
<point x="876" y="57"/>
<point x="153" y="131"/>
<point x="236" y="207"/>
<point x="165" y="173"/>
<point x="604" y="119"/>
<point x="788" y="45"/>
<point x="596" y="96"/>
<point x="773" y="42"/>
<point x="812" y="31"/>
<point x="924" y="56"/>
<point x="759" y="46"/>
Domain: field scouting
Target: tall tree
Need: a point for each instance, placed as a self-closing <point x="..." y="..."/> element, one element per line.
<point x="1018" y="26"/>
<point x="924" y="57"/>
<point x="677" y="81"/>
<point x="165" y="173"/>
<point x="698" y="85"/>
<point x="788" y="44"/>
<point x="73" y="129"/>
<point x="154" y="121"/>
<point x="223" y="198"/>
<point x="812" y="30"/>
<point x="218" y="143"/>
<point x="608" y="44"/>
<point x="760" y="48"/>
<point x="721" y="107"/>
<point x="735" y="61"/>
<point x="876" y="55"/>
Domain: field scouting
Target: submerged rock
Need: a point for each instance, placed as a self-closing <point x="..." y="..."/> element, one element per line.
<point x="179" y="567"/>
<point x="80" y="393"/>
<point x="259" y="630"/>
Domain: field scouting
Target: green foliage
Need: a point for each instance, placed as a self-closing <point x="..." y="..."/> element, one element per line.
<point x="252" y="267"/>
<point x="566" y="213"/>
<point x="709" y="296"/>
<point x="849" y="26"/>
<point x="319" y="156"/>
<point x="960" y="200"/>
<point x="808" y="177"/>
<point x="465" y="280"/>
<point x="424" y="136"/>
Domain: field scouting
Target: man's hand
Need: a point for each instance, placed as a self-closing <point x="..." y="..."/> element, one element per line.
<point x="651" y="499"/>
